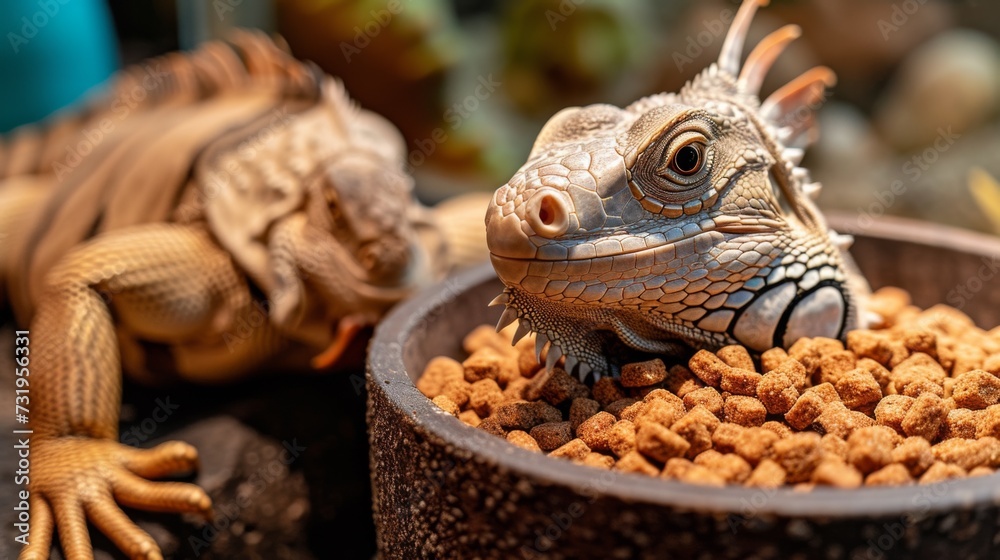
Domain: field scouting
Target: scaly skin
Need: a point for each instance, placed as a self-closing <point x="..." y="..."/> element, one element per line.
<point x="244" y="181"/>
<point x="681" y="219"/>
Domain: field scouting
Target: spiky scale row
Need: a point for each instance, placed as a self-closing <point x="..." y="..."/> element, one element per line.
<point x="521" y="332"/>
<point x="508" y="316"/>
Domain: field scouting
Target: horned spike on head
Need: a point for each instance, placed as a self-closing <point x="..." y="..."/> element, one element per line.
<point x="804" y="91"/>
<point x="732" y="48"/>
<point x="762" y="57"/>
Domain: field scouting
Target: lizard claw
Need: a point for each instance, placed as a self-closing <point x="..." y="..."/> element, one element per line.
<point x="76" y="479"/>
<point x="540" y="341"/>
<point x="521" y="332"/>
<point x="578" y="342"/>
<point x="509" y="316"/>
<point x="552" y="356"/>
<point x="501" y="299"/>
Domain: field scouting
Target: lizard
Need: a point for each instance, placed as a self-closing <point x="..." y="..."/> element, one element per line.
<point x="681" y="220"/>
<point x="202" y="190"/>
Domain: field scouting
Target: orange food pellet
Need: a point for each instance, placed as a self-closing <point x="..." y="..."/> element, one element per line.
<point x="915" y="400"/>
<point x="707" y="397"/>
<point x="643" y="374"/>
<point x="523" y="440"/>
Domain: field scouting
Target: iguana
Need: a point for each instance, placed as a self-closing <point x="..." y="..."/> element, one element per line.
<point x="682" y="219"/>
<point x="202" y="192"/>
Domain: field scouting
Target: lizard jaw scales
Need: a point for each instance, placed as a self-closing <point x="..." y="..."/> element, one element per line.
<point x="547" y="352"/>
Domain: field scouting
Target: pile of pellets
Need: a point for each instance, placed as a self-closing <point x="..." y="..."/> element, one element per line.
<point x="915" y="399"/>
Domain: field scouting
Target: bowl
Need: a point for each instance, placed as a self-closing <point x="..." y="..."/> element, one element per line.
<point x="445" y="490"/>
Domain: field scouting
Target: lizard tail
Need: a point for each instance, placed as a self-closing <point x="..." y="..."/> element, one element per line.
<point x="461" y="220"/>
<point x="247" y="58"/>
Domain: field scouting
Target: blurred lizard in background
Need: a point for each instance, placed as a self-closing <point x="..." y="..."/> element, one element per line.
<point x="139" y="234"/>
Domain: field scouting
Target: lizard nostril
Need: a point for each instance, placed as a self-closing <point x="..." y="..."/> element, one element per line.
<point x="548" y="213"/>
<point x="545" y="214"/>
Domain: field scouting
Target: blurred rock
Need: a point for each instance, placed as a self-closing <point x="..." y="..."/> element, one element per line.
<point x="863" y="40"/>
<point x="261" y="504"/>
<point x="846" y="136"/>
<point x="953" y="82"/>
<point x="847" y="147"/>
<point x="928" y="183"/>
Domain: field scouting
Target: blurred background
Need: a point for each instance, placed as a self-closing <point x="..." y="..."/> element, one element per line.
<point x="470" y="82"/>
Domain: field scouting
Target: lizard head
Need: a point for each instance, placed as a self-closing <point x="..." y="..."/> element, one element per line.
<point x="363" y="203"/>
<point x="680" y="220"/>
<point x="361" y="197"/>
<point x="353" y="240"/>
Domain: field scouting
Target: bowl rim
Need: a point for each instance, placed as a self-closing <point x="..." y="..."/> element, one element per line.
<point x="387" y="370"/>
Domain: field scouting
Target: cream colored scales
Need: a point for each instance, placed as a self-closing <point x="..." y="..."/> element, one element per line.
<point x="682" y="218"/>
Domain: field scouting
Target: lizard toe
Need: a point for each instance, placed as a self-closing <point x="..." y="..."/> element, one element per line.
<point x="71" y="522"/>
<point x="42" y="526"/>
<point x="86" y="479"/>
<point x="167" y="459"/>
<point x="127" y="536"/>
<point x="179" y="497"/>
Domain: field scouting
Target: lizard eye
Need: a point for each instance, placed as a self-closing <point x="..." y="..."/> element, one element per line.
<point x="333" y="203"/>
<point x="688" y="160"/>
<point x="684" y="160"/>
<point x="672" y="171"/>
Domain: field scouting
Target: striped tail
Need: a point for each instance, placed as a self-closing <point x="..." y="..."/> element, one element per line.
<point x="247" y="58"/>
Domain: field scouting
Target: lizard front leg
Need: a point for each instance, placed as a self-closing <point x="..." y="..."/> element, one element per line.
<point x="168" y="282"/>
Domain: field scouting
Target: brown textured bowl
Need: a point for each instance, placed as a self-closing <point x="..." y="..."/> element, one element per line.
<point x="445" y="490"/>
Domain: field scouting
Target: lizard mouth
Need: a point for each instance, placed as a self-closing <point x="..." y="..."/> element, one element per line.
<point x="618" y="254"/>
<point x="507" y="240"/>
<point x="513" y="237"/>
